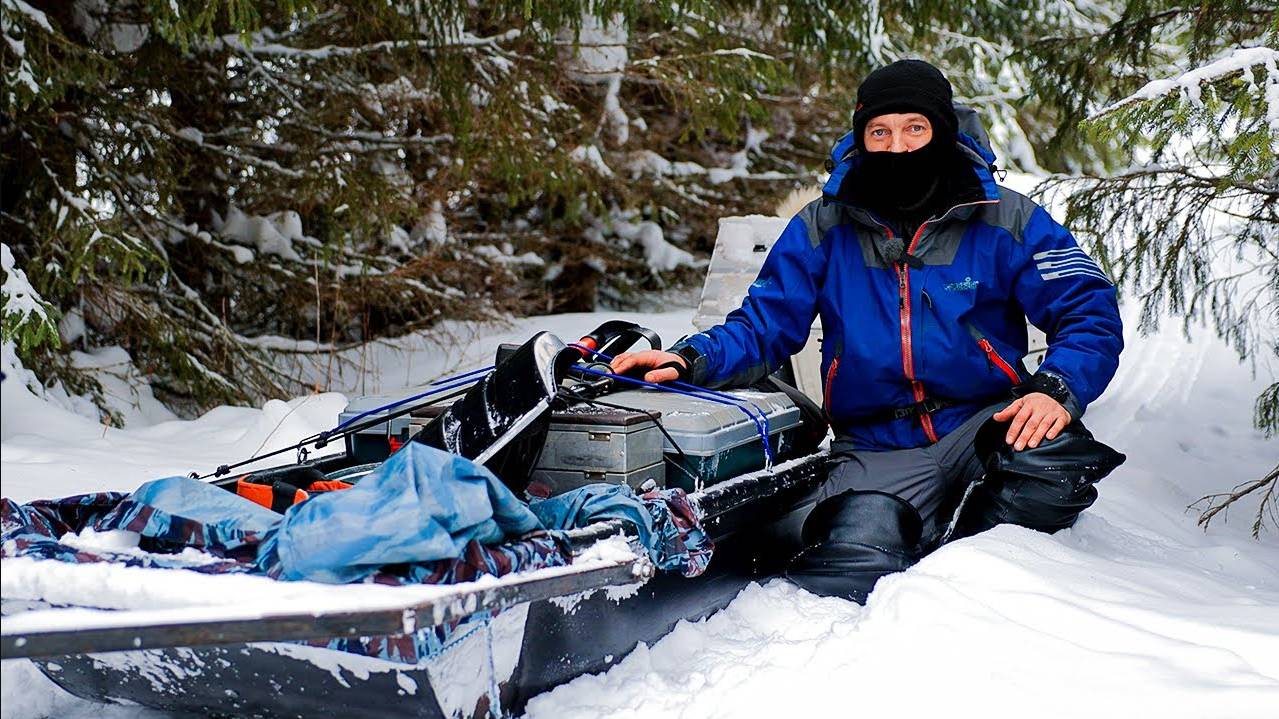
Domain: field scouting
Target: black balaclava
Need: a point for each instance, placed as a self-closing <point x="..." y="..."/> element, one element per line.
<point x="907" y="86"/>
<point x="905" y="188"/>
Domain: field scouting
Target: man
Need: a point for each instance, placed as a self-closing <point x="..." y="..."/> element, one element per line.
<point x="923" y="271"/>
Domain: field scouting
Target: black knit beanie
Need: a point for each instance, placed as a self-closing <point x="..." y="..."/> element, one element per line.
<point x="907" y="86"/>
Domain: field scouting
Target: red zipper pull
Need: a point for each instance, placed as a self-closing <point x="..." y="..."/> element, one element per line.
<point x="992" y="357"/>
<point x="988" y="349"/>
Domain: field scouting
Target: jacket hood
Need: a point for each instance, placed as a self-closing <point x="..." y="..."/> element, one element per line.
<point x="973" y="143"/>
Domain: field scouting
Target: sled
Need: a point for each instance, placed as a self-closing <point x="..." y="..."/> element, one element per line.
<point x="497" y="642"/>
<point x="550" y="627"/>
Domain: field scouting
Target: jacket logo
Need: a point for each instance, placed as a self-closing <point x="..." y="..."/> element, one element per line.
<point x="968" y="285"/>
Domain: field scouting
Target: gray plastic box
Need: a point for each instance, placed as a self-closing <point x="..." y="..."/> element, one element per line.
<point x="563" y="480"/>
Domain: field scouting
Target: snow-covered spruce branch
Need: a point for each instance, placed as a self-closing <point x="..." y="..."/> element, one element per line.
<point x="741" y="52"/>
<point x="271" y="78"/>
<point x="1192" y="179"/>
<point x="230" y="152"/>
<point x="1188" y="84"/>
<point x="327" y="52"/>
<point x="357" y="138"/>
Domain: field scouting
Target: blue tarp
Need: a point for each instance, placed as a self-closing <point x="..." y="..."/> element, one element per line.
<point x="422" y="504"/>
<point x="666" y="522"/>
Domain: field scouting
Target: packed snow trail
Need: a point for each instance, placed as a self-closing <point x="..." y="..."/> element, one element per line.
<point x="1134" y="612"/>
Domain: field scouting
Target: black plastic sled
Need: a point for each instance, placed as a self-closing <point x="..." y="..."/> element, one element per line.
<point x="542" y="416"/>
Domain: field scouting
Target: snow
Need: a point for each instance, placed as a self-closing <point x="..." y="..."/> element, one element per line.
<point x="505" y="255"/>
<point x="432" y="228"/>
<point x="647" y="162"/>
<point x="326" y="52"/>
<point x="35" y="15"/>
<point x="126" y="391"/>
<point x="661" y="255"/>
<point x="48" y="449"/>
<point x="20" y="298"/>
<point x="600" y="54"/>
<point x="1136" y="611"/>
<point x="590" y="156"/>
<point x="614" y="113"/>
<point x="272" y="234"/>
<point x="23" y="74"/>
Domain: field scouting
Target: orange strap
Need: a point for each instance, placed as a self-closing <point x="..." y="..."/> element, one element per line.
<point x="329" y="485"/>
<point x="277" y="497"/>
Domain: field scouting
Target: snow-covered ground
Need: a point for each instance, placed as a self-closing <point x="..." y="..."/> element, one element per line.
<point x="1134" y="612"/>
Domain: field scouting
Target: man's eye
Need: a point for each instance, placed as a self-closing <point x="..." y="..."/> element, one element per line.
<point x="879" y="132"/>
<point x="917" y="128"/>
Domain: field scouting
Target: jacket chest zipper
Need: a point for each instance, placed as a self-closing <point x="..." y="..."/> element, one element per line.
<point x="908" y="358"/>
<point x="903" y="304"/>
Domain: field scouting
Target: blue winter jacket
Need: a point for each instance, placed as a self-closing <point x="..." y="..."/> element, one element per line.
<point x="937" y="341"/>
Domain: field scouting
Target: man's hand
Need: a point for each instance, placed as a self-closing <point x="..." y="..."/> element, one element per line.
<point x="629" y="361"/>
<point x="1035" y="417"/>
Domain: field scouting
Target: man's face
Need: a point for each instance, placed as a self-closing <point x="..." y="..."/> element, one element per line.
<point x="897" y="132"/>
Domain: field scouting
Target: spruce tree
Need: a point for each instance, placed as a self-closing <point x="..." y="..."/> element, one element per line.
<point x="1184" y="210"/>
<point x="209" y="184"/>
<point x="236" y="190"/>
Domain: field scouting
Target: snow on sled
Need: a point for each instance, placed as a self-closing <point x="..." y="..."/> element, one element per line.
<point x="481" y="626"/>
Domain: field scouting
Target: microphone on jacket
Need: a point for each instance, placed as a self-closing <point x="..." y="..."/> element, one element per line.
<point x="895" y="251"/>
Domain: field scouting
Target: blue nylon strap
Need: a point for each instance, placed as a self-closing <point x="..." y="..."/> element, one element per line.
<point x="760" y="420"/>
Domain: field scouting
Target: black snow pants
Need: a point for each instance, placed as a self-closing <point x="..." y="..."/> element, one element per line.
<point x="879" y="512"/>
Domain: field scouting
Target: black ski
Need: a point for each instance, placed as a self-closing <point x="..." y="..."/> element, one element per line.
<point x="501" y="421"/>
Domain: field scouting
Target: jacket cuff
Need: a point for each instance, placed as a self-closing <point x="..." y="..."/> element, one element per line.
<point x="697" y="363"/>
<point x="1053" y="385"/>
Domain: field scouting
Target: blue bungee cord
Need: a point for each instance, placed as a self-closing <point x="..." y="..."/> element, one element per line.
<point x="684" y="385"/>
<point x="760" y="421"/>
<point x="439" y="385"/>
<point x="682" y="388"/>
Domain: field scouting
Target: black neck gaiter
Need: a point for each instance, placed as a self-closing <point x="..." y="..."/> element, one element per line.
<point x="904" y="188"/>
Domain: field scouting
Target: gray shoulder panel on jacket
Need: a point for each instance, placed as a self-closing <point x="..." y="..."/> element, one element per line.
<point x="1012" y="212"/>
<point x="818" y="217"/>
